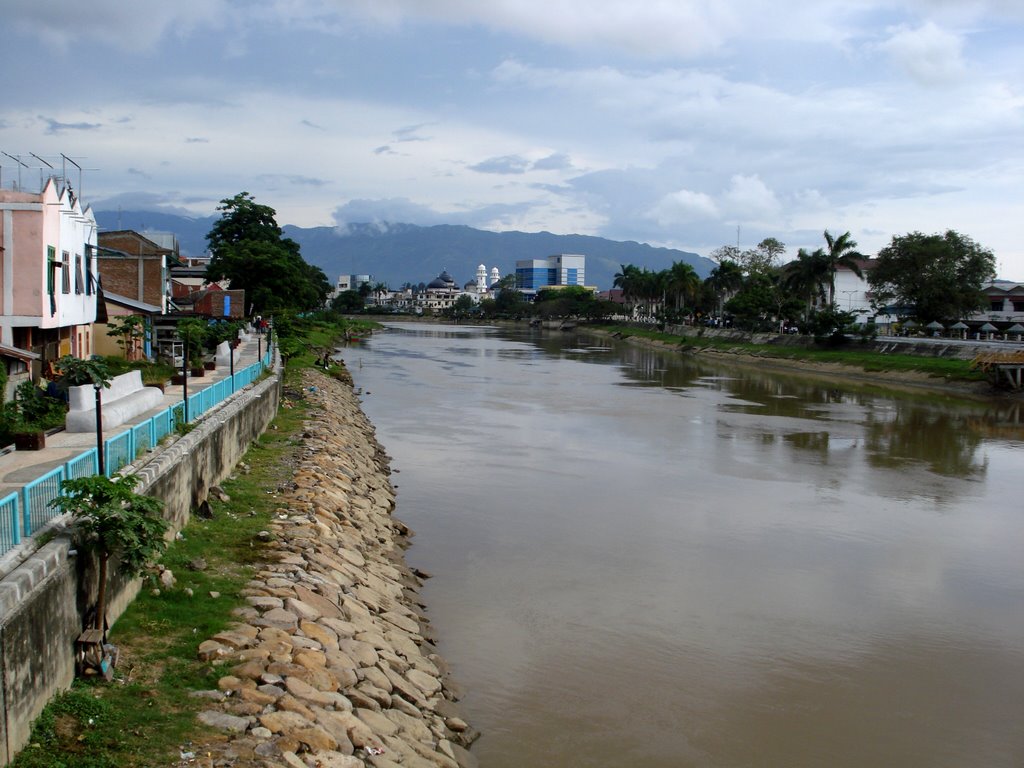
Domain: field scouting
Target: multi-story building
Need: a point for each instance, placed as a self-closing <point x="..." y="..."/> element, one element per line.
<point x="48" y="281"/>
<point x="136" y="266"/>
<point x="559" y="270"/>
<point x="350" y="283"/>
<point x="1006" y="301"/>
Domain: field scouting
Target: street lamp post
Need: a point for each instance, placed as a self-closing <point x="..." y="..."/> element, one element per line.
<point x="231" y="364"/>
<point x="97" y="387"/>
<point x="184" y="375"/>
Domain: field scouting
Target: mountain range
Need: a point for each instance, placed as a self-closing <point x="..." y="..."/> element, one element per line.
<point x="396" y="254"/>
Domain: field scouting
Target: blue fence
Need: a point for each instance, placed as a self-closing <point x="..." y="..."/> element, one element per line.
<point x="10" y="523"/>
<point x="25" y="511"/>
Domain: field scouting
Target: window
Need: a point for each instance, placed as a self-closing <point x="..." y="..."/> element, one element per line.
<point x="79" y="282"/>
<point x="88" y="270"/>
<point x="51" y="260"/>
<point x="65" y="273"/>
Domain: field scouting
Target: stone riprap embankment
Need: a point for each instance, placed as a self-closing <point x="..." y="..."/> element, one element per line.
<point x="331" y="665"/>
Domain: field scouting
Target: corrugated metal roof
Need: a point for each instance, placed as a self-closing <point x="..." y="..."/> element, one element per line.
<point x="124" y="301"/>
<point x="21" y="354"/>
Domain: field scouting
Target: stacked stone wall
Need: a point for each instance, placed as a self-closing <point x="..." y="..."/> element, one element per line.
<point x="332" y="664"/>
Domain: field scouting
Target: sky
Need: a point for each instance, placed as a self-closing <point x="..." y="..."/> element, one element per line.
<point x="683" y="123"/>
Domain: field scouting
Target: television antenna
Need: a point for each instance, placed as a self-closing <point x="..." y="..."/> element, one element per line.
<point x="20" y="166"/>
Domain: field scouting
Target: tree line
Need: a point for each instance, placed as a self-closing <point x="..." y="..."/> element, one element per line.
<point x="924" y="277"/>
<point x="935" y="277"/>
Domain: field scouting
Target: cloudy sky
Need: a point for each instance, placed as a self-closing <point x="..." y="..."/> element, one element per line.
<point x="687" y="123"/>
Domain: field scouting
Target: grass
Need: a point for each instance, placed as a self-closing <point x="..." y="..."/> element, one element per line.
<point x="852" y="354"/>
<point x="146" y="715"/>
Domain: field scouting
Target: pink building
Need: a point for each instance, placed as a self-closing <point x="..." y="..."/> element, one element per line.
<point x="49" y="277"/>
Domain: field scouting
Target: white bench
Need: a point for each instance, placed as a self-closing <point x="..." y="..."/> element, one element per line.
<point x="122" y="401"/>
<point x="222" y="355"/>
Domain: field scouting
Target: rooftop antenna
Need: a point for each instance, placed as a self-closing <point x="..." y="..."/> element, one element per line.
<point x="37" y="157"/>
<point x="20" y="165"/>
<point x="68" y="159"/>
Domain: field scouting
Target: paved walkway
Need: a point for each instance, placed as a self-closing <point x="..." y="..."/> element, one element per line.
<point x="20" y="467"/>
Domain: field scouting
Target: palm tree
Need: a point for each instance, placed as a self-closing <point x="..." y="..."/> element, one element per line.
<point x="807" y="276"/>
<point x="651" y="291"/>
<point x="841" y="253"/>
<point x="682" y="283"/>
<point x="627" y="280"/>
<point x="725" y="279"/>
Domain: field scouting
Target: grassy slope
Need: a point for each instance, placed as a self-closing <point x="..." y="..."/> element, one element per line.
<point x="851" y="355"/>
<point x="146" y="717"/>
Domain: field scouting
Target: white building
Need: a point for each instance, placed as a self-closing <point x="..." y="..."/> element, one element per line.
<point x="350" y="283"/>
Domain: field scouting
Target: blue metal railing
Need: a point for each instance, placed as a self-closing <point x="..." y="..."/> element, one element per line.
<point x="83" y="465"/>
<point x="10" y="522"/>
<point x="26" y="511"/>
<point x="35" y="500"/>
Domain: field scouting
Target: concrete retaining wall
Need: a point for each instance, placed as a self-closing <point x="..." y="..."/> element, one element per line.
<point x="43" y="602"/>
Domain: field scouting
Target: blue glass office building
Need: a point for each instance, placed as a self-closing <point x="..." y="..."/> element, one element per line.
<point x="563" y="269"/>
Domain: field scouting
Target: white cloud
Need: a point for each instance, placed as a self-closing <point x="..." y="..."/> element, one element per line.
<point x="929" y="54"/>
<point x="507" y="164"/>
<point x="785" y="117"/>
<point x="749" y="199"/>
<point x="683" y="207"/>
<point x="133" y="26"/>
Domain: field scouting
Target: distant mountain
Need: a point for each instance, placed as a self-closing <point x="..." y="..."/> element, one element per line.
<point x="399" y="253"/>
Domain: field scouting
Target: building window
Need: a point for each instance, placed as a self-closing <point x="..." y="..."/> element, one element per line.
<point x="79" y="281"/>
<point x="1018" y="305"/>
<point x="65" y="273"/>
<point x="51" y="260"/>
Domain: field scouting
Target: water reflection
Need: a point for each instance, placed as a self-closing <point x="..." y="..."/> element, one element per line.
<point x="647" y="559"/>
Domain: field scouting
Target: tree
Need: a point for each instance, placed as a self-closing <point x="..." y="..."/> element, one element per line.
<point x="764" y="302"/>
<point x="510" y="303"/>
<point x="842" y="252"/>
<point x="193" y="332"/>
<point x="762" y="259"/>
<point x="682" y="284"/>
<point x="128" y="330"/>
<point x="461" y="308"/>
<point x="118" y="522"/>
<point x="74" y="371"/>
<point x="807" y="276"/>
<point x="725" y="280"/>
<point x="348" y="302"/>
<point x="628" y="281"/>
<point x="940" y="276"/>
<point x="725" y="253"/>
<point x="248" y="249"/>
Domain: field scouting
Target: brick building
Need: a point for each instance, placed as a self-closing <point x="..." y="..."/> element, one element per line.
<point x="134" y="266"/>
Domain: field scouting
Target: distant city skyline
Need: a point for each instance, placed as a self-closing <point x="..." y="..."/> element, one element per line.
<point x="690" y="124"/>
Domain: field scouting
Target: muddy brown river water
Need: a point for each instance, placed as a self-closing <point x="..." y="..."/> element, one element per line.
<point x="645" y="560"/>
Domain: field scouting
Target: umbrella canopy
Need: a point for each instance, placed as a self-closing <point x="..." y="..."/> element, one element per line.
<point x="935" y="325"/>
<point x="1015" y="328"/>
<point x="988" y="328"/>
<point x="958" y="326"/>
<point x="910" y="324"/>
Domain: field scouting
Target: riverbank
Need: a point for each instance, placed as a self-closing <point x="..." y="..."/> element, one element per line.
<point x="331" y="663"/>
<point x="856" y="374"/>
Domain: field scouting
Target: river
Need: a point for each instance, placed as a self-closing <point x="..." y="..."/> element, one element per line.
<point x="642" y="559"/>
